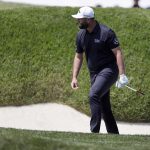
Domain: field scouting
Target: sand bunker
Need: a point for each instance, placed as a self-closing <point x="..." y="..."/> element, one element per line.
<point x="58" y="117"/>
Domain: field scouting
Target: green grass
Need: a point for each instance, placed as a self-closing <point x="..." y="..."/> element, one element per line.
<point x="11" y="139"/>
<point x="37" y="50"/>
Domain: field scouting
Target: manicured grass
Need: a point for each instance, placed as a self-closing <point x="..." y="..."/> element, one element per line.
<point x="37" y="48"/>
<point x="11" y="139"/>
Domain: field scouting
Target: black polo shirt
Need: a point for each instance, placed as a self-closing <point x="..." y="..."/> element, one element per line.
<point x="97" y="46"/>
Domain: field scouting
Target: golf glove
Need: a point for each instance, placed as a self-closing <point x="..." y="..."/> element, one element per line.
<point x="123" y="80"/>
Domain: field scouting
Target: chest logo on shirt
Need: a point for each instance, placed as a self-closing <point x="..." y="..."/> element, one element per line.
<point x="96" y="41"/>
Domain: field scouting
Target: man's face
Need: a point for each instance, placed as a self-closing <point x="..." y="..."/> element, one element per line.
<point x="83" y="23"/>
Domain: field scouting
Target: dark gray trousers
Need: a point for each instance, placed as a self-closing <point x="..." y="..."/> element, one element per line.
<point x="100" y="99"/>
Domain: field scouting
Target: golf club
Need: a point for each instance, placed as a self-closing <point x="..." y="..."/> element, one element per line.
<point x="137" y="91"/>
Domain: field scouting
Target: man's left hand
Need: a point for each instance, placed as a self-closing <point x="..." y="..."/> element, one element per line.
<point x="123" y="80"/>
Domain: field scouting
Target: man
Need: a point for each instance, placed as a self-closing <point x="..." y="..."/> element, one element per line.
<point x="136" y="4"/>
<point x="104" y="61"/>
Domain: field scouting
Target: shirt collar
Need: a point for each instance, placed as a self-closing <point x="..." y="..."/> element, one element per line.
<point x="96" y="28"/>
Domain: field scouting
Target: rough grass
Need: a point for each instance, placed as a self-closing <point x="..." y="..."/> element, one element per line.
<point x="36" y="54"/>
<point x="11" y="139"/>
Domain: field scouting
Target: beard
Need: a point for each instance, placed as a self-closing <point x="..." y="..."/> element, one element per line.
<point x="83" y="26"/>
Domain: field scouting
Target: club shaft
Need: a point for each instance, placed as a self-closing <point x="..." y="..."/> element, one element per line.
<point x="131" y="88"/>
<point x="134" y="90"/>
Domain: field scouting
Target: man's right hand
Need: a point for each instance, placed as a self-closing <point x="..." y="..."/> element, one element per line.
<point x="74" y="84"/>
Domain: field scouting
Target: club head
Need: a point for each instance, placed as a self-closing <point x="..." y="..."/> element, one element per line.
<point x="139" y="92"/>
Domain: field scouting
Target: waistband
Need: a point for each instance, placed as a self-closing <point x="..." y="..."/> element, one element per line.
<point x="108" y="65"/>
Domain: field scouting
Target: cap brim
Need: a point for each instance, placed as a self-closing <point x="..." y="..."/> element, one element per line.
<point x="77" y="16"/>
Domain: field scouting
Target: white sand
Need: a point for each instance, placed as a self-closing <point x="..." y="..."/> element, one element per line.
<point x="57" y="117"/>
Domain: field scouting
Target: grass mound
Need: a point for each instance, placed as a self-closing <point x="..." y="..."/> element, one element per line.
<point x="37" y="50"/>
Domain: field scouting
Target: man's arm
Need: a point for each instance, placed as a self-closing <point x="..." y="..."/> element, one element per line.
<point x="78" y="59"/>
<point x="123" y="80"/>
<point x="120" y="62"/>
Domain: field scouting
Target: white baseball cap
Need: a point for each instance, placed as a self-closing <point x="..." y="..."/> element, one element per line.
<point x="84" y="12"/>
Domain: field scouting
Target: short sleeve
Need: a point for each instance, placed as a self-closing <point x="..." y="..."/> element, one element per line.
<point x="79" y="48"/>
<point x="112" y="40"/>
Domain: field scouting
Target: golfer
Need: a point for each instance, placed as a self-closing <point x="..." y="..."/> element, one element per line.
<point x="105" y="62"/>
